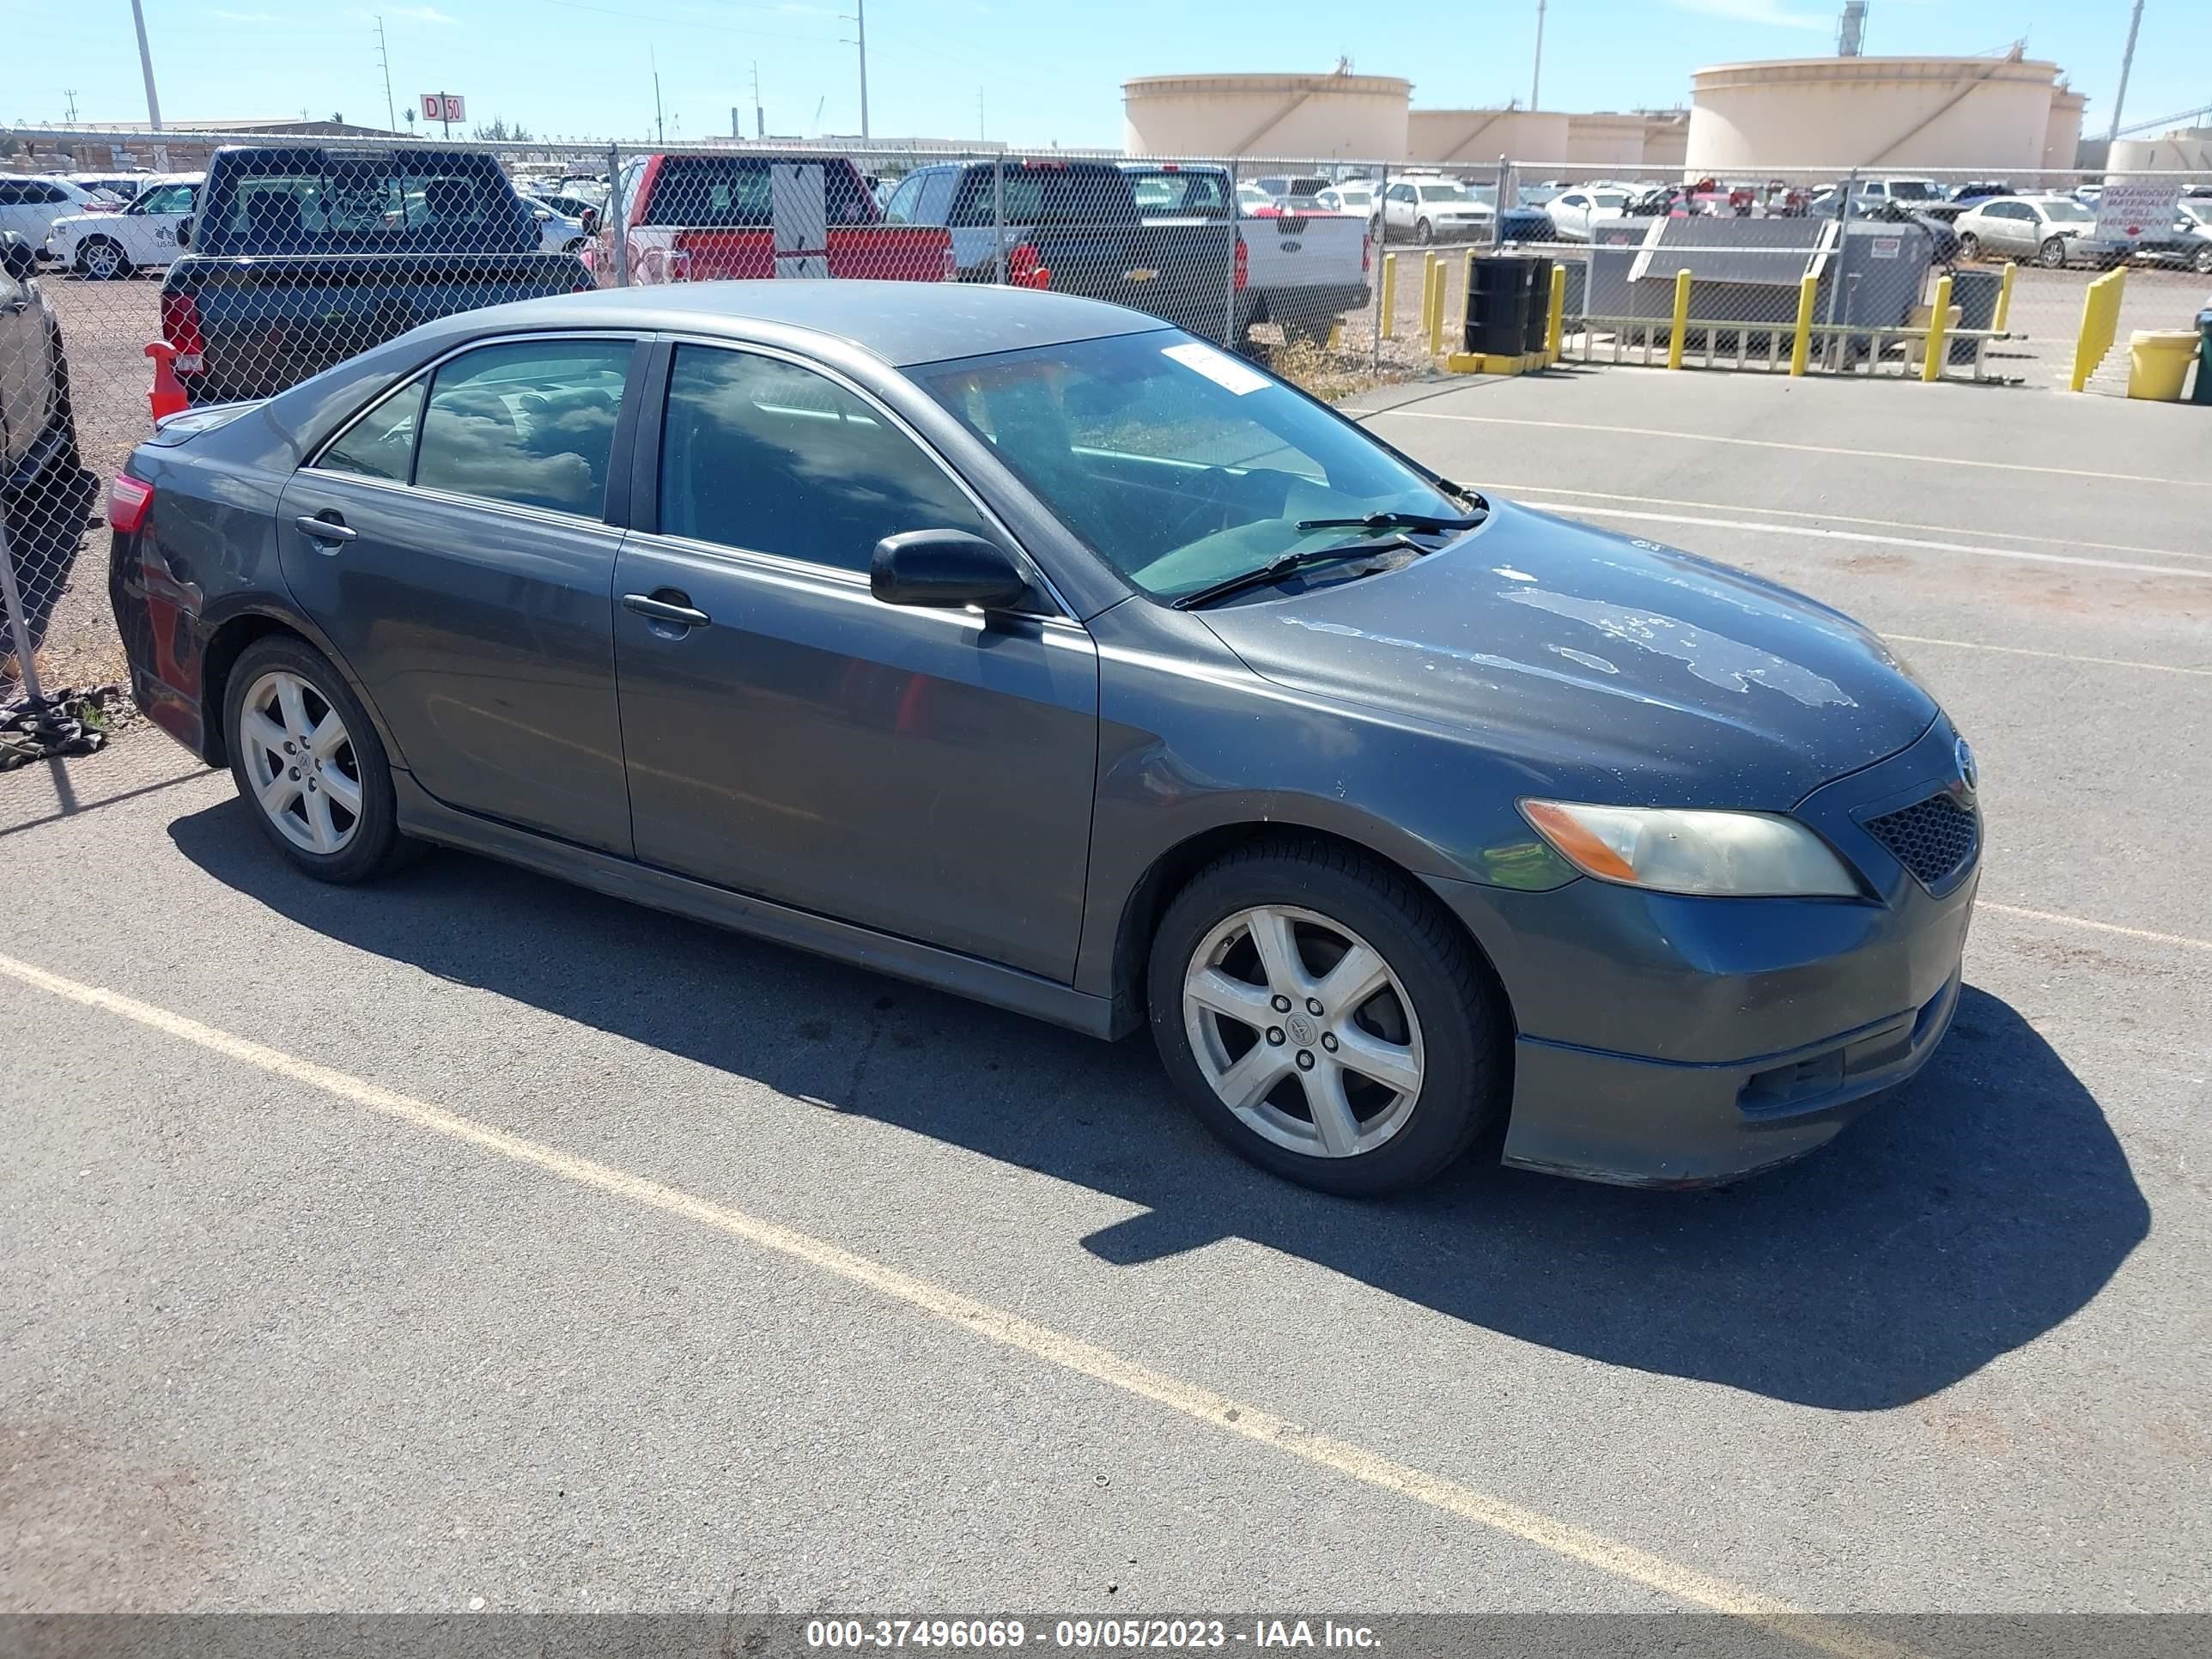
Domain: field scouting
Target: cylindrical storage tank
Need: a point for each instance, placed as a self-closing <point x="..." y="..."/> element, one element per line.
<point x="2187" y="150"/>
<point x="1350" y="117"/>
<point x="1665" y="142"/>
<point x="1476" y="138"/>
<point x="2062" y="134"/>
<point x="1604" y="145"/>
<point x="1827" y="114"/>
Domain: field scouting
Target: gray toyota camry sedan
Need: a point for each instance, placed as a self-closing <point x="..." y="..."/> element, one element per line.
<point x="1015" y="644"/>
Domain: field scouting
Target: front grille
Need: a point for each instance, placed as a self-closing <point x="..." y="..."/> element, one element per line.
<point x="1932" y="838"/>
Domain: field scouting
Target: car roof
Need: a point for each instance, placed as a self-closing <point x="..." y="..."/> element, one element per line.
<point x="901" y="322"/>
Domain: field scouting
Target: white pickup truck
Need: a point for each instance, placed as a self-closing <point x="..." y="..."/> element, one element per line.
<point x="1300" y="269"/>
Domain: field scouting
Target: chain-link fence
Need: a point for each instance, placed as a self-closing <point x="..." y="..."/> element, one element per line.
<point x="249" y="264"/>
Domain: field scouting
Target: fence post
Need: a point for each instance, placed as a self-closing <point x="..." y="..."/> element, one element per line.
<point x="1497" y="219"/>
<point x="1801" y="346"/>
<point x="1228" y="339"/>
<point x="1386" y="290"/>
<point x="998" y="212"/>
<point x="1555" y="323"/>
<point x="19" y="629"/>
<point x="2004" y="298"/>
<point x="1681" y="329"/>
<point x="1388" y="328"/>
<point x="616" y="228"/>
<point x="1938" y="314"/>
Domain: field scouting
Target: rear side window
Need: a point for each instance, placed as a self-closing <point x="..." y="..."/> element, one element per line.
<point x="531" y="424"/>
<point x="382" y="443"/>
<point x="304" y="201"/>
<point x="763" y="455"/>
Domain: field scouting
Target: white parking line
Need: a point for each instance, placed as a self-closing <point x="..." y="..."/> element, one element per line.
<point x="1576" y="510"/>
<point x="1521" y="489"/>
<point x="2054" y="656"/>
<point x="2144" y="934"/>
<point x="981" y="1319"/>
<point x="1776" y="443"/>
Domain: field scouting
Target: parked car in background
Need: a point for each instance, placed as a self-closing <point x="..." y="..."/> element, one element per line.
<point x="585" y="209"/>
<point x="1434" y="209"/>
<point x="557" y="232"/>
<point x="1024" y="647"/>
<point x="40" y="475"/>
<point x="1301" y="271"/>
<point x="30" y="205"/>
<point x="1944" y="242"/>
<point x="118" y="186"/>
<point x="1253" y="199"/>
<point x="101" y="247"/>
<point x="1902" y="190"/>
<point x="2189" y="242"/>
<point x="2052" y="230"/>
<point x="298" y="257"/>
<point x="1574" y="212"/>
<point x="2088" y="194"/>
<point x="1357" y="196"/>
<point x="697" y="218"/>
<point x="1075" y="227"/>
<point x="1980" y="190"/>
<point x="1292" y="187"/>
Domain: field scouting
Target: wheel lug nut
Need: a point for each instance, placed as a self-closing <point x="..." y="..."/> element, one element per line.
<point x="1328" y="1041"/>
<point x="1282" y="1004"/>
<point x="1313" y="1005"/>
<point x="295" y="774"/>
<point x="289" y="750"/>
<point x="311" y="786"/>
<point x="1305" y="1059"/>
<point x="1275" y="1036"/>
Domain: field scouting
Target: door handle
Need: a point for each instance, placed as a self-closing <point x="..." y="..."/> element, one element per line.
<point x="326" y="530"/>
<point x="665" y="610"/>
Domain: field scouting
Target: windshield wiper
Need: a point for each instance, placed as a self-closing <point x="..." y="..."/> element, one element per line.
<point x="1284" y="564"/>
<point x="1423" y="523"/>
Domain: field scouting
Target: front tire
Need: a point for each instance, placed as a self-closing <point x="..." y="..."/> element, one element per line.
<point x="1425" y="233"/>
<point x="2051" y="256"/>
<point x="101" y="261"/>
<point x="308" y="763"/>
<point x="1326" y="1018"/>
<point x="2202" y="262"/>
<point x="1970" y="248"/>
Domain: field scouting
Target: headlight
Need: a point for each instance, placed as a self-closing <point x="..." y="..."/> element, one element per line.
<point x="1738" y="855"/>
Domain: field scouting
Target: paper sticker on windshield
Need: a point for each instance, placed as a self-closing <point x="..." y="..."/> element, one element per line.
<point x="1217" y="366"/>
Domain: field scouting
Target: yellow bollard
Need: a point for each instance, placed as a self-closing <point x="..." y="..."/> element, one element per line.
<point x="1676" y="341"/>
<point x="2004" y="297"/>
<point x="1939" y="315"/>
<point x="1437" y="311"/>
<point x="1800" y="348"/>
<point x="2100" y="317"/>
<point x="1431" y="271"/>
<point x="1555" y="323"/>
<point x="1390" y="296"/>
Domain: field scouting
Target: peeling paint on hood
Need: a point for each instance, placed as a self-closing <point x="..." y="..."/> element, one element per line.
<point x="1713" y="658"/>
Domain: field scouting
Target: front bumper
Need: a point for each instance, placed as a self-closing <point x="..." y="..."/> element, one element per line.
<point x="1667" y="1041"/>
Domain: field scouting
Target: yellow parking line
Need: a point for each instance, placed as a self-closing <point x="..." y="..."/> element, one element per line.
<point x="1219" y="1410"/>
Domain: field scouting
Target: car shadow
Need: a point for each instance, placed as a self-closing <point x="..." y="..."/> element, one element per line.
<point x="1981" y="1206"/>
<point x="46" y="525"/>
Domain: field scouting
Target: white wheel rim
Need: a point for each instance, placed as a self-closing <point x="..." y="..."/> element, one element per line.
<point x="300" y="763"/>
<point x="101" y="261"/>
<point x="1303" y="1031"/>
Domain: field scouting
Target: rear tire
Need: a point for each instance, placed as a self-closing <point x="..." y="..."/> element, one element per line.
<point x="2202" y="262"/>
<point x="321" y="793"/>
<point x="2051" y="256"/>
<point x="1385" y="1087"/>
<point x="1970" y="247"/>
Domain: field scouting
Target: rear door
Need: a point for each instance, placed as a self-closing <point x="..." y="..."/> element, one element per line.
<point x="457" y="544"/>
<point x="923" y="772"/>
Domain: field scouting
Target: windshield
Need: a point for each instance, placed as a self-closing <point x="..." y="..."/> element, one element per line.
<point x="2200" y="211"/>
<point x="1914" y="190"/>
<point x="2062" y="210"/>
<point x="1445" y="193"/>
<point x="1179" y="464"/>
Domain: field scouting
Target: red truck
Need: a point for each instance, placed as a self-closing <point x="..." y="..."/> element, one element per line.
<point x="697" y="218"/>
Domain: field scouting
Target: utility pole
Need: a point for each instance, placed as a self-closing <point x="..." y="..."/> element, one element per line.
<point x="2127" y="62"/>
<point x="1536" y="75"/>
<point x="760" y="116"/>
<point x="859" y="18"/>
<point x="982" y="132"/>
<point x="152" y="98"/>
<point x="659" y="127"/>
<point x="383" y="58"/>
<point x="69" y="93"/>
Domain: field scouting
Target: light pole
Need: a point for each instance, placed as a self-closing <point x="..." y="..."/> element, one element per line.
<point x="2127" y="62"/>
<point x="859" y="18"/>
<point x="1536" y="75"/>
<point x="152" y="98"/>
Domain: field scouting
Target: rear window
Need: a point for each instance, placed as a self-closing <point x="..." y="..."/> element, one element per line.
<point x="1048" y="196"/>
<point x="733" y="192"/>
<point x="1179" y="192"/>
<point x="309" y="202"/>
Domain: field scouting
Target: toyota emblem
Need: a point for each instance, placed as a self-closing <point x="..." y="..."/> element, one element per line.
<point x="1964" y="751"/>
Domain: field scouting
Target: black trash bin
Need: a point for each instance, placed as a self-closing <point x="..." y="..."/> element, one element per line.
<point x="1540" y="304"/>
<point x="2203" y="392"/>
<point x="1497" y="306"/>
<point x="1975" y="292"/>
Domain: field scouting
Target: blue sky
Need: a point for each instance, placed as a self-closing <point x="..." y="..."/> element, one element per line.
<point x="1046" y="71"/>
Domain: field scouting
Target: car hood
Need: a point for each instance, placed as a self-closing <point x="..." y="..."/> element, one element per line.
<point x="1612" y="668"/>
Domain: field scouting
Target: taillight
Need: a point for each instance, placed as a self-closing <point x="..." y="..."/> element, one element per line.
<point x="1244" y="266"/>
<point x="1026" y="267"/>
<point x="128" y="501"/>
<point x="180" y="327"/>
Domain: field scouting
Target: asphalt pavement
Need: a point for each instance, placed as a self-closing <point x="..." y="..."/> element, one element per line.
<point x="470" y="1239"/>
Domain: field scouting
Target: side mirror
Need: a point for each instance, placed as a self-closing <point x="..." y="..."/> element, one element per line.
<point x="19" y="258"/>
<point x="946" y="568"/>
<point x="185" y="231"/>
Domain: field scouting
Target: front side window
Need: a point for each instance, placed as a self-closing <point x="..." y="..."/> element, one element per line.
<point x="765" y="456"/>
<point x="900" y="209"/>
<point x="164" y="198"/>
<point x="2066" y="213"/>
<point x="531" y="424"/>
<point x="1176" y="463"/>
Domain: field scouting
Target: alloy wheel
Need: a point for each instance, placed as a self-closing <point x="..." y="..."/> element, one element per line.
<point x="103" y="261"/>
<point x="2051" y="256"/>
<point x="1303" y="1031"/>
<point x="301" y="761"/>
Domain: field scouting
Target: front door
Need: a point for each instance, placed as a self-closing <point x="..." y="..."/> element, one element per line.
<point x="460" y="560"/>
<point x="924" y="772"/>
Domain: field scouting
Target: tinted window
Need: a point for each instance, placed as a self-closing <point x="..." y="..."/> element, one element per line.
<point x="764" y="455"/>
<point x="380" y="444"/>
<point x="305" y="201"/>
<point x="165" y="199"/>
<point x="900" y="209"/>
<point x="734" y="192"/>
<point x="531" y="424"/>
<point x="1179" y="192"/>
<point x="1049" y="195"/>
